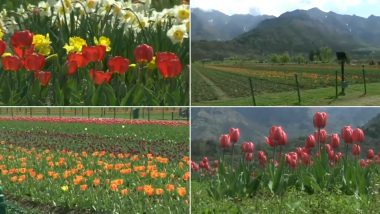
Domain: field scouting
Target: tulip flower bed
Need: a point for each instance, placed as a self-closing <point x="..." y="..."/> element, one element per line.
<point x="94" y="53"/>
<point x="283" y="179"/>
<point x="85" y="167"/>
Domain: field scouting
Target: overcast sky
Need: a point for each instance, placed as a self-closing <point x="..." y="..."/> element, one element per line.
<point x="362" y="8"/>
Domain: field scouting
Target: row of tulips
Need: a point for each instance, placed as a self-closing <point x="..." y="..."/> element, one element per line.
<point x="102" y="121"/>
<point x="99" y="181"/>
<point x="87" y="63"/>
<point x="317" y="166"/>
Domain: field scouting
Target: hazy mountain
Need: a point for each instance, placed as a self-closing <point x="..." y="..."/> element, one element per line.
<point x="215" y="25"/>
<point x="208" y="124"/>
<point x="301" y="31"/>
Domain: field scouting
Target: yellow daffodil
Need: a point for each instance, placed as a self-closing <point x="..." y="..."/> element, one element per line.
<point x="42" y="44"/>
<point x="75" y="44"/>
<point x="103" y="41"/>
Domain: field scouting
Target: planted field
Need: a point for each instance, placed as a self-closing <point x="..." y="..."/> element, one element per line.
<point x="267" y="79"/>
<point x="95" y="165"/>
<point x="330" y="173"/>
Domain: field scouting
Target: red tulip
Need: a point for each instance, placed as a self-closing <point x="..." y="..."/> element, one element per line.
<point x="194" y="166"/>
<point x="248" y="156"/>
<point x="94" y="53"/>
<point x="331" y="154"/>
<point x="347" y="134"/>
<point x="320" y="120"/>
<point x="291" y="159"/>
<point x="234" y="135"/>
<point x="321" y="137"/>
<point x="364" y="163"/>
<point x="338" y="156"/>
<point x="310" y="141"/>
<point x="22" y="39"/>
<point x="169" y="65"/>
<point x="118" y="64"/>
<point x="334" y="141"/>
<point x="299" y="150"/>
<point x="358" y="135"/>
<point x="269" y="142"/>
<point x="262" y="158"/>
<point x="3" y="46"/>
<point x="34" y="62"/>
<point x="143" y="53"/>
<point x="100" y="77"/>
<point x="225" y="141"/>
<point x="248" y="147"/>
<point x="22" y="52"/>
<point x="355" y="149"/>
<point x="78" y="58"/>
<point x="11" y="63"/>
<point x="370" y="154"/>
<point x="280" y="136"/>
<point x="305" y="157"/>
<point x="43" y="76"/>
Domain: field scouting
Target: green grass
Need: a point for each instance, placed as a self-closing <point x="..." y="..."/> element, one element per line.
<point x="313" y="97"/>
<point x="291" y="202"/>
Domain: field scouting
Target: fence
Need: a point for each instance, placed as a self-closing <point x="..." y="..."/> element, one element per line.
<point x="104" y="112"/>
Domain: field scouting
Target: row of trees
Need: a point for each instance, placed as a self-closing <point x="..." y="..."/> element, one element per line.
<point x="323" y="54"/>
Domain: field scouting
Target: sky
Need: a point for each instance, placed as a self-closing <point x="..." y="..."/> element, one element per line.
<point x="362" y="8"/>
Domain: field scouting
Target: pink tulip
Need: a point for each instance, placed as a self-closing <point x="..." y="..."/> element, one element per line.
<point x="248" y="147"/>
<point x="291" y="159"/>
<point x="358" y="135"/>
<point x="194" y="166"/>
<point x="305" y="157"/>
<point x="225" y="141"/>
<point x="321" y="137"/>
<point x="310" y="141"/>
<point x="280" y="136"/>
<point x="364" y="163"/>
<point x="347" y="134"/>
<point x="234" y="135"/>
<point x="370" y="154"/>
<point x="334" y="141"/>
<point x="249" y="156"/>
<point x="331" y="154"/>
<point x="355" y="150"/>
<point x="270" y="142"/>
<point x="338" y="156"/>
<point x="320" y="120"/>
<point x="262" y="158"/>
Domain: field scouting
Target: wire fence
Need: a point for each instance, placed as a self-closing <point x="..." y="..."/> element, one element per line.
<point x="99" y="112"/>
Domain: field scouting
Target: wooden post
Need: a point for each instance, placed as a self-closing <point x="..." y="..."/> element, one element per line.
<point x="75" y="111"/>
<point x="298" y="89"/>
<point x="336" y="84"/>
<point x="252" y="91"/>
<point x="365" y="82"/>
<point x="31" y="111"/>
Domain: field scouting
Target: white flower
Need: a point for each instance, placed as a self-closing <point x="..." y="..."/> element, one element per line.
<point x="44" y="8"/>
<point x="177" y="33"/>
<point x="182" y="12"/>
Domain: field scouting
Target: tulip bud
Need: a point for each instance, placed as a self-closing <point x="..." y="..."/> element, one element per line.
<point x="347" y="134"/>
<point x="305" y="157"/>
<point x="248" y="147"/>
<point x="291" y="159"/>
<point x="370" y="154"/>
<point x="225" y="141"/>
<point x="355" y="150"/>
<point x="334" y="141"/>
<point x="331" y="154"/>
<point x="358" y="135"/>
<point x="320" y="120"/>
<point x="249" y="156"/>
<point x="143" y="53"/>
<point x="234" y="135"/>
<point x="321" y="136"/>
<point x="269" y="142"/>
<point x="310" y="141"/>
<point x="262" y="158"/>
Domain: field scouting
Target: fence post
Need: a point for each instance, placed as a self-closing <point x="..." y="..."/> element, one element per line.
<point x="365" y="82"/>
<point x="252" y="91"/>
<point x="336" y="84"/>
<point x="298" y="89"/>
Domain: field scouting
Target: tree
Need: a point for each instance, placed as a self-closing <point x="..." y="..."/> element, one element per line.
<point x="285" y="58"/>
<point x="325" y="54"/>
<point x="275" y="58"/>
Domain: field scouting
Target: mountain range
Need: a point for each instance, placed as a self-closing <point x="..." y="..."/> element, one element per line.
<point x="299" y="31"/>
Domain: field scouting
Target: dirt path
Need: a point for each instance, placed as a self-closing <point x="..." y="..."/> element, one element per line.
<point x="220" y="94"/>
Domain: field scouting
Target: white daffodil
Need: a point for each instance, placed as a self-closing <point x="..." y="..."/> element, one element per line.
<point x="177" y="33"/>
